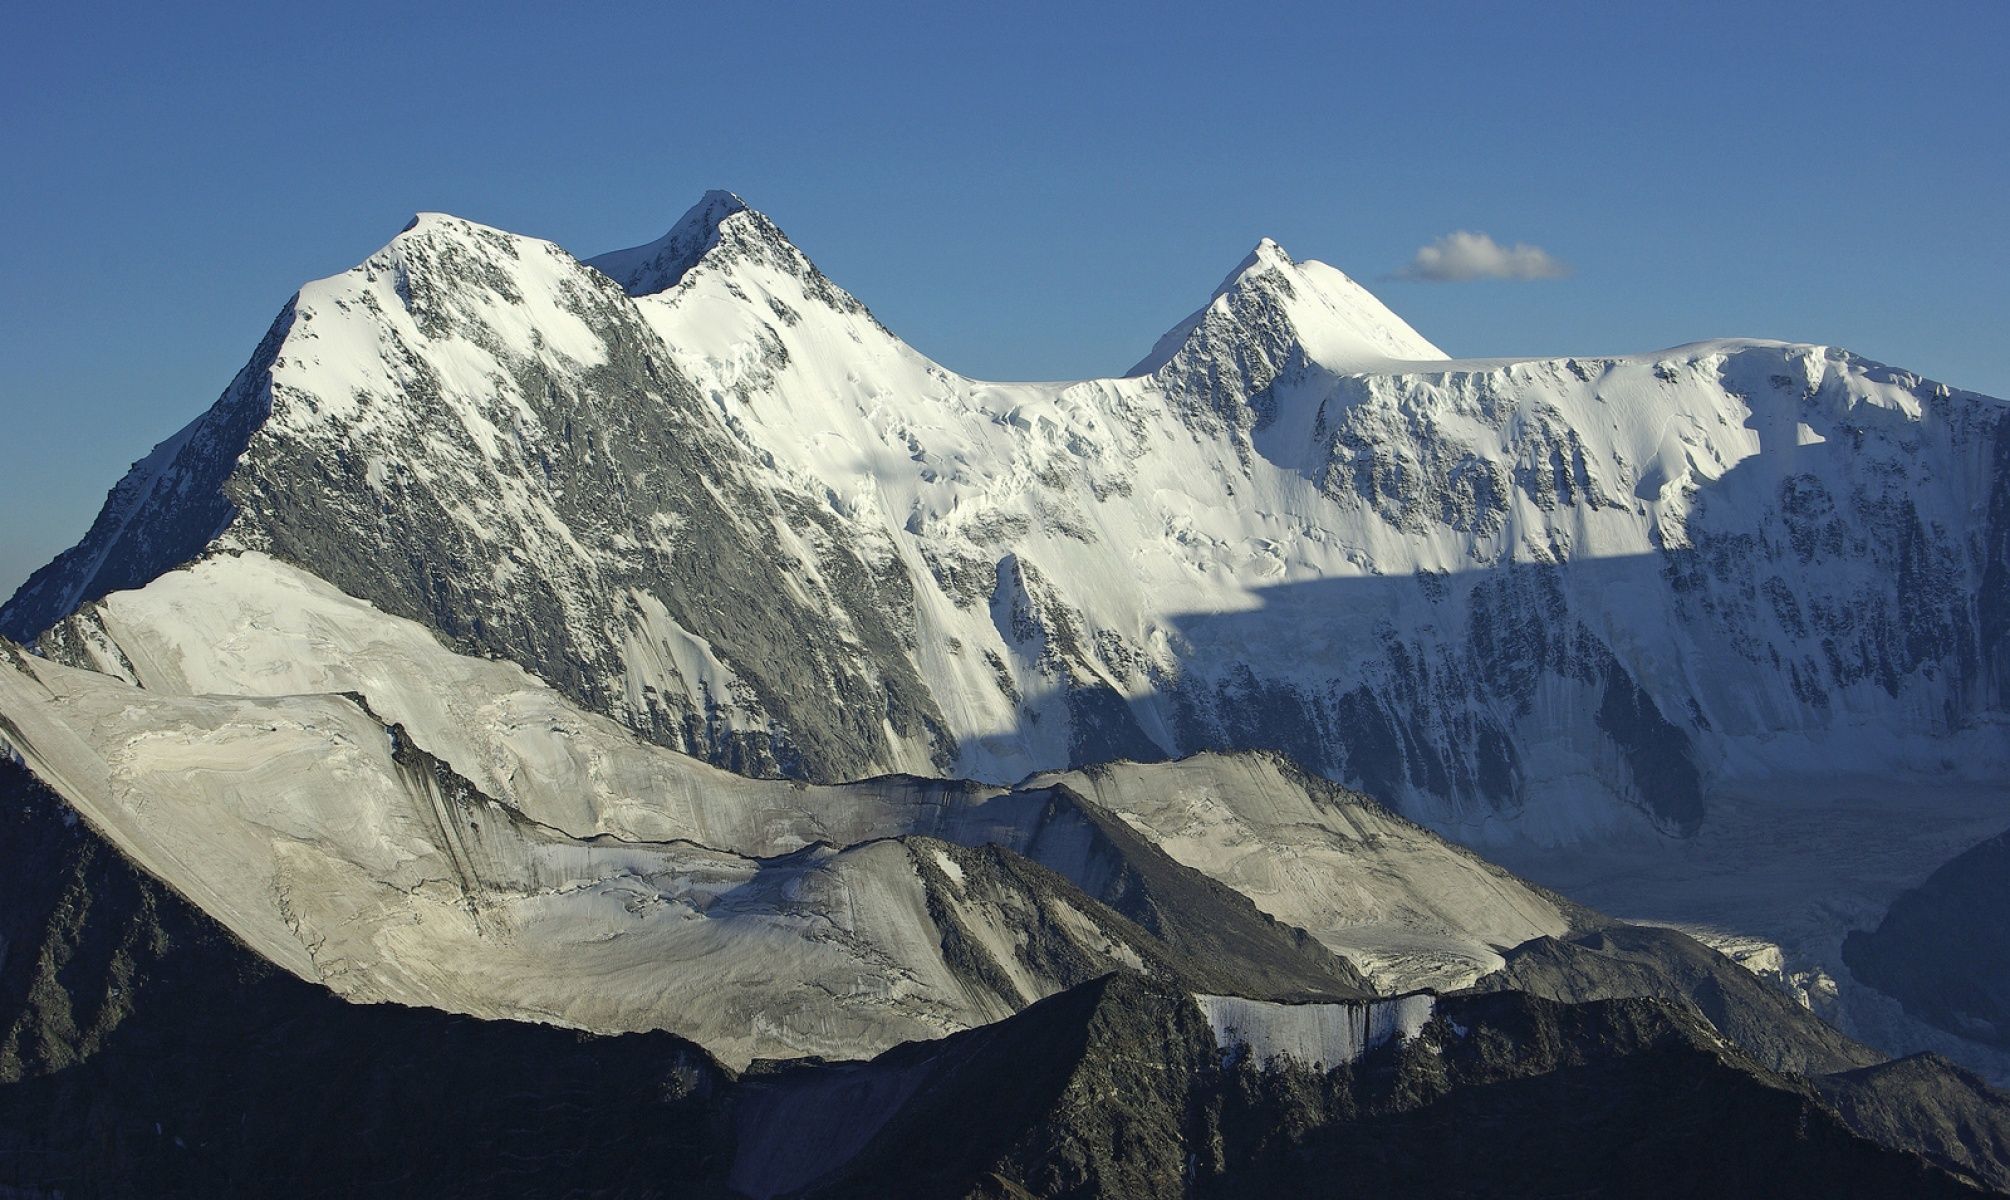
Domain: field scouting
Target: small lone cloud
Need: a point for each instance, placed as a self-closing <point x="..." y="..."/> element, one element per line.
<point x="1465" y="255"/>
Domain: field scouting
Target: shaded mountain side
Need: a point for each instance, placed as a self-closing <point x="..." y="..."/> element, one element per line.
<point x="1943" y="948"/>
<point x="1118" y="1089"/>
<point x="81" y="932"/>
<point x="1932" y="1106"/>
<point x="1510" y="1095"/>
<point x="1618" y="961"/>
<point x="930" y="1119"/>
<point x="1923" y="1104"/>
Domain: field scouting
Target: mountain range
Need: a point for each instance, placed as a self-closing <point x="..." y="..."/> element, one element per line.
<point x="900" y="783"/>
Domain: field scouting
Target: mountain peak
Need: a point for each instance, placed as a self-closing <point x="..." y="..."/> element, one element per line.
<point x="1267" y="253"/>
<point x="1266" y="256"/>
<point x="1335" y="321"/>
<point x="434" y="224"/>
<point x="660" y="265"/>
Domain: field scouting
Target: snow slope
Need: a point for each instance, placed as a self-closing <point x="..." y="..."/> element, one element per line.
<point x="1410" y="910"/>
<point x="1503" y="593"/>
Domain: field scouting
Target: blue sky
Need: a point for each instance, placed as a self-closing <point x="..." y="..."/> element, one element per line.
<point x="1021" y="190"/>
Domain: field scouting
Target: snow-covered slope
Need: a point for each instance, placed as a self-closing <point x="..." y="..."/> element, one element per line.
<point x="1501" y="593"/>
<point x="723" y="505"/>
<point x="339" y="849"/>
<point x="1408" y="909"/>
<point x="249" y="633"/>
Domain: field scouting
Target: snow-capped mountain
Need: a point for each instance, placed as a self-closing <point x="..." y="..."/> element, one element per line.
<point x="656" y="645"/>
<point x="722" y="504"/>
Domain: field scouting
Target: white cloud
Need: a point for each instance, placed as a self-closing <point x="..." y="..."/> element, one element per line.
<point x="1458" y="257"/>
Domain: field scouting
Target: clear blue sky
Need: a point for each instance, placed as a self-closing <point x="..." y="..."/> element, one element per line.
<point x="1021" y="190"/>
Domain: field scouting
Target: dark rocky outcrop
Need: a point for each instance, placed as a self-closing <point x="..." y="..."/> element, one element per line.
<point x="1943" y="948"/>
<point x="149" y="1053"/>
<point x="1116" y="1089"/>
<point x="1933" y="1107"/>
<point x="1617" y="961"/>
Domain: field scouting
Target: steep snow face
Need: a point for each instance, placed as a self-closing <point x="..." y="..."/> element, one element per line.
<point x="1530" y="598"/>
<point x="474" y="430"/>
<point x="1552" y="599"/>
<point x="1345" y="324"/>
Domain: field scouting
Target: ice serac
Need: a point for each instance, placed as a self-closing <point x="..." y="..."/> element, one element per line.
<point x="1321" y="1036"/>
<point x="1556" y="599"/>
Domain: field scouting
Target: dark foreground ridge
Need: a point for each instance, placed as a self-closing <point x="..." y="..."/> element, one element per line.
<point x="146" y="1053"/>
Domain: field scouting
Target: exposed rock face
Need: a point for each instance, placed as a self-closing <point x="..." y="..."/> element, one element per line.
<point x="80" y="933"/>
<point x="1922" y="1103"/>
<point x="697" y="487"/>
